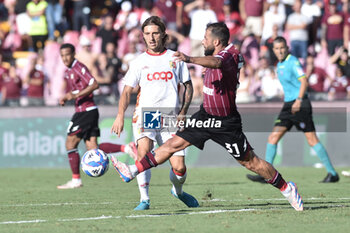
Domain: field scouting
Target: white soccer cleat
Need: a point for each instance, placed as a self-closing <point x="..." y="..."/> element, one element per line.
<point x="131" y="150"/>
<point x="72" y="184"/>
<point x="294" y="197"/>
<point x="346" y="173"/>
<point x="122" y="169"/>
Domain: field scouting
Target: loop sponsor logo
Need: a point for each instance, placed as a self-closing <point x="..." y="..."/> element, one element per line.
<point x="160" y="76"/>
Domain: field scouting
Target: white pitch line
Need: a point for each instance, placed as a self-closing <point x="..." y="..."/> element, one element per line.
<point x="57" y="204"/>
<point x="20" y="222"/>
<point x="146" y="216"/>
<point x="130" y="216"/>
<point x="192" y="213"/>
<point x="87" y="219"/>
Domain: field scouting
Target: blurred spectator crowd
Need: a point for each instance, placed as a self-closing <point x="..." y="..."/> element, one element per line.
<point x="107" y="37"/>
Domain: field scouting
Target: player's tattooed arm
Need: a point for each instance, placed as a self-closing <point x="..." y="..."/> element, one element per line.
<point x="187" y="98"/>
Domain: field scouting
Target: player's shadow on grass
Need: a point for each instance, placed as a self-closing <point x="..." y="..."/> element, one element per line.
<point x="202" y="184"/>
<point x="307" y="205"/>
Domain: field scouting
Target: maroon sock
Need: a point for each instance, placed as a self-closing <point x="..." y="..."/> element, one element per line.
<point x="146" y="162"/>
<point x="74" y="162"/>
<point x="278" y="181"/>
<point x="111" y="148"/>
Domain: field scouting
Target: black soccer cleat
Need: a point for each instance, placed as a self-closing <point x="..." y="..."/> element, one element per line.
<point x="256" y="178"/>
<point x="330" y="178"/>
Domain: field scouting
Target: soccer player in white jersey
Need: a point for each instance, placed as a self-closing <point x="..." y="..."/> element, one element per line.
<point x="158" y="76"/>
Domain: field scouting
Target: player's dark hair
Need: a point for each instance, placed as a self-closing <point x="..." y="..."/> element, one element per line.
<point x="280" y="39"/>
<point x="220" y="31"/>
<point x="155" y="20"/>
<point x="68" y="46"/>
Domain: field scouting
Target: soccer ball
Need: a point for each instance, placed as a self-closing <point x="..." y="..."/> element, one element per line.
<point x="95" y="162"/>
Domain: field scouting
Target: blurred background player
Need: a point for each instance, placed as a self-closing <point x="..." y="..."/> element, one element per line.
<point x="296" y="110"/>
<point x="223" y="63"/>
<point x="84" y="123"/>
<point x="11" y="87"/>
<point x="158" y="77"/>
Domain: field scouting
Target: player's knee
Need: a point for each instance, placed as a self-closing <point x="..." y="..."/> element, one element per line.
<point x="250" y="161"/>
<point x="179" y="169"/>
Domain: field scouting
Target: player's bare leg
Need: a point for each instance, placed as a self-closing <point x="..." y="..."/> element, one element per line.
<point x="253" y="163"/>
<point x="177" y="177"/>
<point x="271" y="149"/>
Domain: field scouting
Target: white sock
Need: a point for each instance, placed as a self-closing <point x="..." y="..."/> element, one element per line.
<point x="177" y="181"/>
<point x="143" y="180"/>
<point x="133" y="169"/>
<point x="287" y="191"/>
<point x="76" y="180"/>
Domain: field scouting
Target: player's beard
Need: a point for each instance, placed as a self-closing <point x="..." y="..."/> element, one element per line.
<point x="208" y="51"/>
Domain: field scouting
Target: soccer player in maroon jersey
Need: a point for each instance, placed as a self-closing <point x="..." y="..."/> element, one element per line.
<point x="84" y="123"/>
<point x="35" y="80"/>
<point x="11" y="87"/>
<point x="223" y="63"/>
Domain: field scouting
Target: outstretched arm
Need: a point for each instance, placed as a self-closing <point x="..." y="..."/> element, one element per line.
<point x="207" y="61"/>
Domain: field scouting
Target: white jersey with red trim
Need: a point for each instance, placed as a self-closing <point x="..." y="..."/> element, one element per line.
<point x="158" y="77"/>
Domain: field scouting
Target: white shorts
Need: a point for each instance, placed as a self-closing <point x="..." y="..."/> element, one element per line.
<point x="157" y="136"/>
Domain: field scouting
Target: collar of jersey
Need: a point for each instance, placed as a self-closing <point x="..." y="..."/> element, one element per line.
<point x="288" y="56"/>
<point x="152" y="54"/>
<point x="75" y="61"/>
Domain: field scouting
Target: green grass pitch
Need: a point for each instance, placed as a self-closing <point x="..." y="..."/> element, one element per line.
<point x="229" y="202"/>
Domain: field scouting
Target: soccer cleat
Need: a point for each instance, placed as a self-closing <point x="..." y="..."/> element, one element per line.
<point x="131" y="150"/>
<point x="294" y="197"/>
<point x="186" y="198"/>
<point x="70" y="185"/>
<point x="122" y="169"/>
<point x="144" y="205"/>
<point x="330" y="178"/>
<point x="256" y="178"/>
<point x="346" y="173"/>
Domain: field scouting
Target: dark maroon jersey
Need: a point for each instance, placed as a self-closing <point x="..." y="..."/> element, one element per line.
<point x="220" y="85"/>
<point x="36" y="91"/>
<point x="78" y="77"/>
<point x="317" y="79"/>
<point x="13" y="86"/>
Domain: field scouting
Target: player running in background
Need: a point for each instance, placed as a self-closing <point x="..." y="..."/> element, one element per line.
<point x="296" y="110"/>
<point x="158" y="77"/>
<point x="84" y="123"/>
<point x="223" y="62"/>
